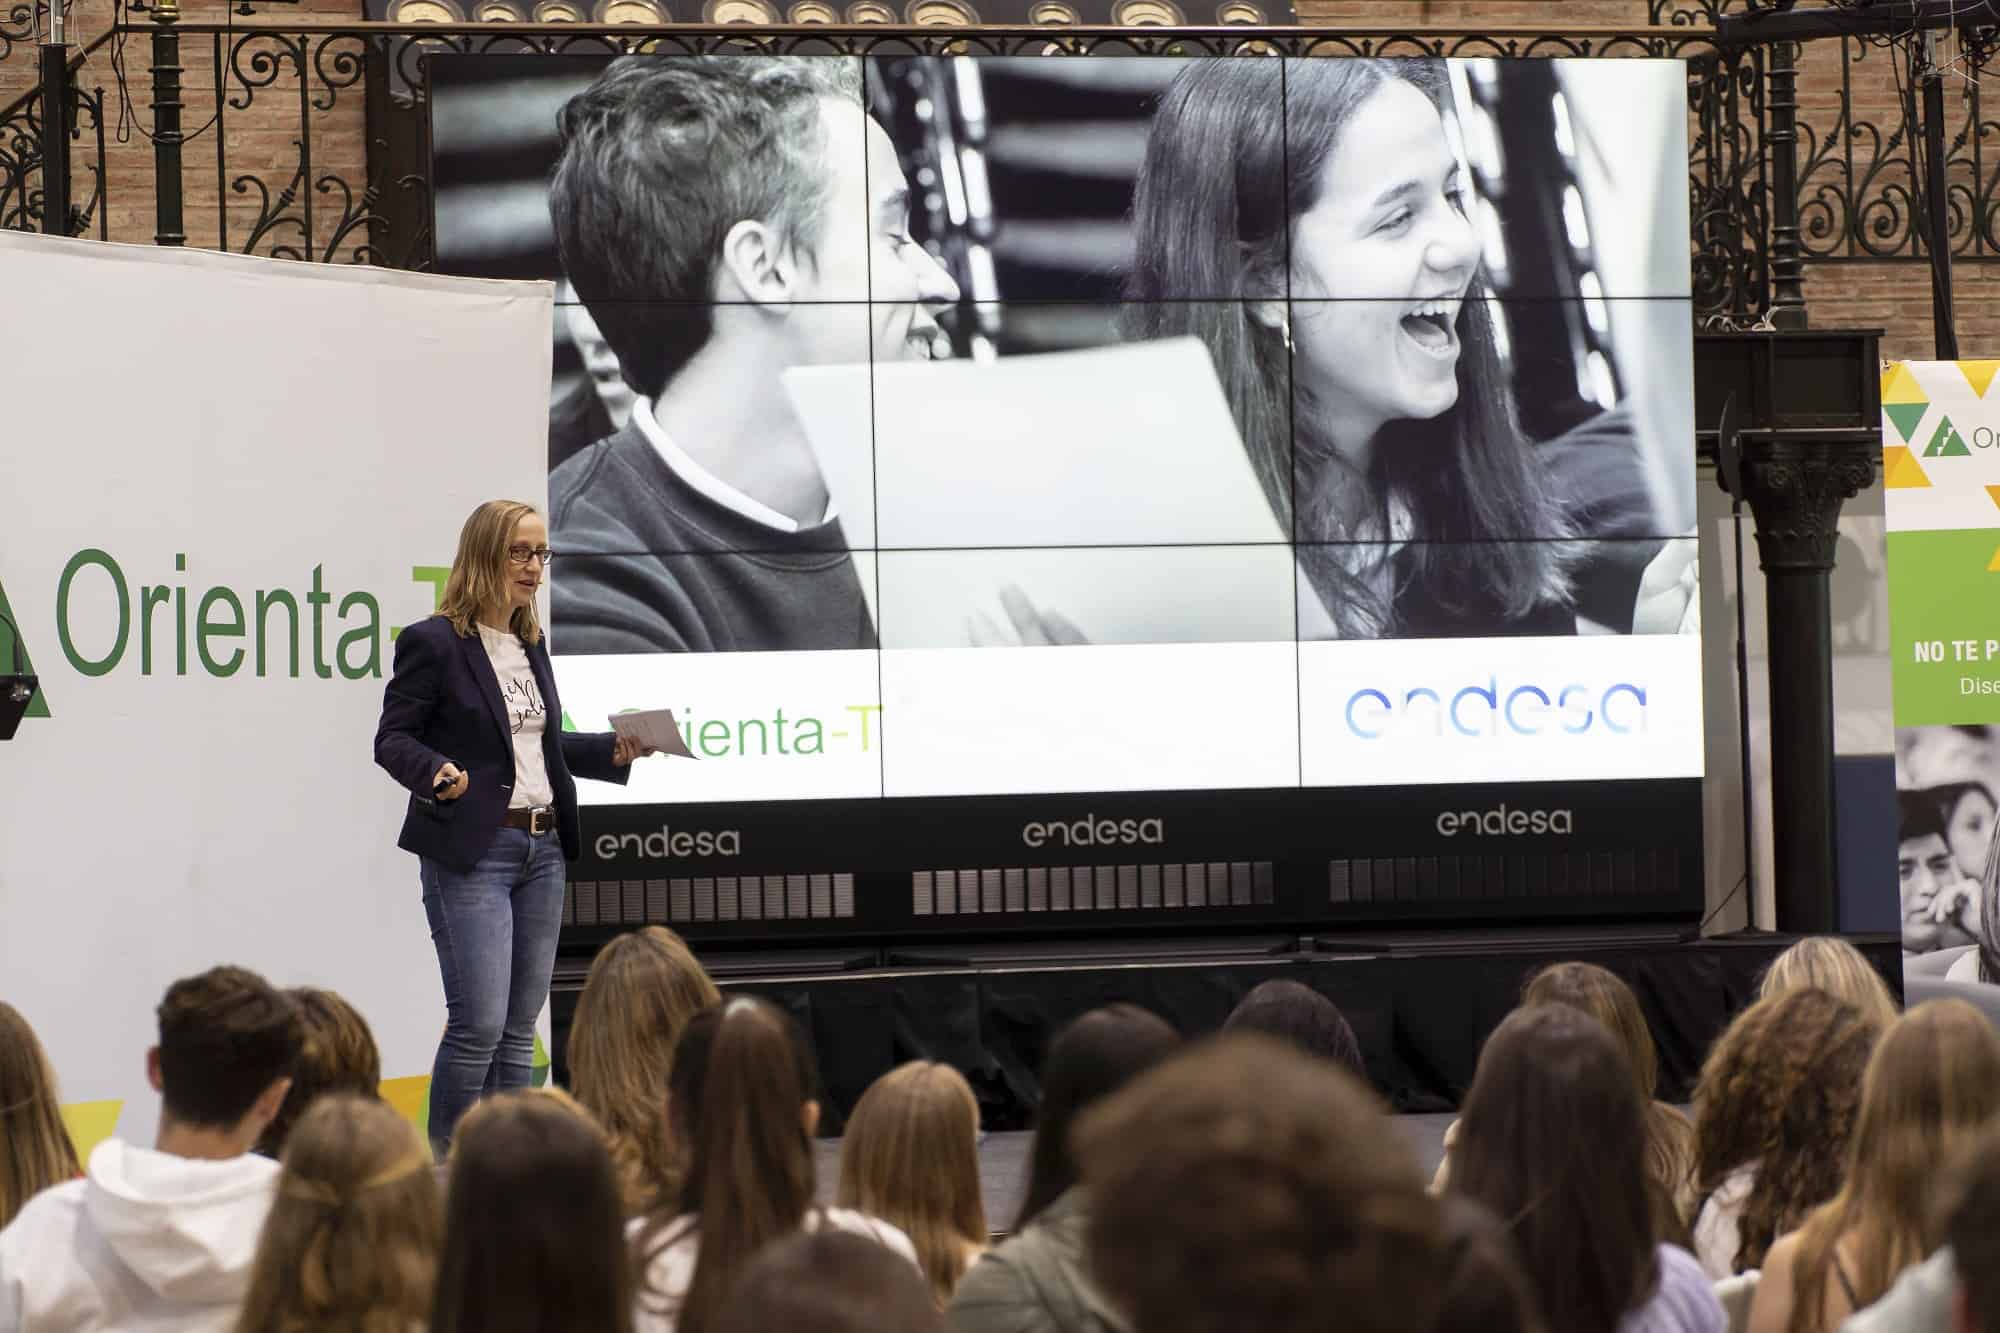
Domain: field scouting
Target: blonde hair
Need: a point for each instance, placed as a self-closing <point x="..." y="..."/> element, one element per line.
<point x="352" y="1239"/>
<point x="1932" y="1084"/>
<point x="1831" y="964"/>
<point x="643" y="988"/>
<point x="35" y="1147"/>
<point x="478" y="577"/>
<point x="911" y="1158"/>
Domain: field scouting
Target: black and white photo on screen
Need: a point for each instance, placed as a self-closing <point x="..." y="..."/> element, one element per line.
<point x="1947" y="863"/>
<point x="1424" y="325"/>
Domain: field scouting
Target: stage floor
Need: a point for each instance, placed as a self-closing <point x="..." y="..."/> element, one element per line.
<point x="1003" y="1163"/>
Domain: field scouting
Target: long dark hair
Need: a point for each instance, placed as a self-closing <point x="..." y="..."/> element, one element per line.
<point x="1234" y="158"/>
<point x="736" y="1098"/>
<point x="1095" y="1056"/>
<point x="534" y="1227"/>
<point x="1553" y="1140"/>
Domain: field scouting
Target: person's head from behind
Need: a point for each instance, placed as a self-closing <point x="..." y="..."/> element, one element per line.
<point x="643" y="988"/>
<point x="911" y="1157"/>
<point x="35" y="1147"/>
<point x="1242" y="1185"/>
<point x="534" y="1227"/>
<point x="351" y="1241"/>
<point x="1925" y="868"/>
<point x="1829" y="963"/>
<point x="339" y="1055"/>
<point x="228" y="1043"/>
<point x="743" y="203"/>
<point x="1780" y="1091"/>
<point x="1484" y="1289"/>
<point x="1332" y="198"/>
<point x="1301" y="1015"/>
<point x="742" y="1100"/>
<point x="1972" y="1227"/>
<point x="1552" y="1138"/>
<point x="1094" y="1056"/>
<point x="829" y="1282"/>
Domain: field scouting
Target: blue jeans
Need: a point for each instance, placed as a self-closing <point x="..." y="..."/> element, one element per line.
<point x="495" y="929"/>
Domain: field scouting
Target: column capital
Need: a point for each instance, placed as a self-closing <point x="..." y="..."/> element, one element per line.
<point x="1795" y="485"/>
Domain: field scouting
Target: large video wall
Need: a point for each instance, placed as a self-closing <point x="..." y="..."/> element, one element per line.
<point x="1019" y="427"/>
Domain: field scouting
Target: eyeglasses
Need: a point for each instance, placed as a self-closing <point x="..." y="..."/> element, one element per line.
<point x="521" y="555"/>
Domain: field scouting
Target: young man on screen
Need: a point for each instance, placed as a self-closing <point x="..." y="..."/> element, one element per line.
<point x="724" y="219"/>
<point x="162" y="1237"/>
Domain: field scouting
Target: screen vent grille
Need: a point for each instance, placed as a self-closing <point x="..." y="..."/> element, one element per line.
<point x="1015" y="890"/>
<point x="698" y="898"/>
<point x="1638" y="873"/>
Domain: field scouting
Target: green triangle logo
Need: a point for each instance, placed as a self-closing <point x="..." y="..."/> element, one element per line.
<point x="1946" y="442"/>
<point x="14" y="657"/>
<point x="568" y="723"/>
<point x="1904" y="417"/>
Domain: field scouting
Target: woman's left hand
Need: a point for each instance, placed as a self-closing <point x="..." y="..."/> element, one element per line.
<point x="1669" y="600"/>
<point x="627" y="748"/>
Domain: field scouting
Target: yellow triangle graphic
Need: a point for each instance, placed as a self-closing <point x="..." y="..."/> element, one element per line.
<point x="1900" y="386"/>
<point x="1993" y="494"/>
<point x="90" y="1123"/>
<point x="1900" y="469"/>
<point x="1993" y="565"/>
<point x="1979" y="374"/>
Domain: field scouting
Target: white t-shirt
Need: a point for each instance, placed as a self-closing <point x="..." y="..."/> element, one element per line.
<point x="525" y="715"/>
<point x="1716" y="1236"/>
<point x="672" y="1268"/>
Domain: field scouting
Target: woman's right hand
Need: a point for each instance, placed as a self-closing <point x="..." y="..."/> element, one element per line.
<point x="453" y="774"/>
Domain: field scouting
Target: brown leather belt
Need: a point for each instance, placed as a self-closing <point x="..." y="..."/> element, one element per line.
<point x="537" y="820"/>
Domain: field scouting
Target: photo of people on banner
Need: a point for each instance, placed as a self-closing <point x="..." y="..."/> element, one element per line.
<point x="1947" y="781"/>
<point x="942" y="352"/>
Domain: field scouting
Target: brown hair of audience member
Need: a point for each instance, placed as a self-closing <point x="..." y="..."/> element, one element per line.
<point x="1299" y="1014"/>
<point x="1779" y="1092"/>
<point x="741" y="1097"/>
<point x="1484" y="1289"/>
<point x="830" y="1281"/>
<point x="1932" y="1084"/>
<point x="1243" y="1185"/>
<point x="534" y="1238"/>
<point x="911" y="1157"/>
<point x="35" y="1147"/>
<point x="1552" y="1138"/>
<point x="351" y="1242"/>
<point x="1669" y="1133"/>
<point x="228" y="1043"/>
<point x="1092" y="1057"/>
<point x="1831" y="964"/>
<point x="1972" y="1226"/>
<point x="339" y="1055"/>
<point x="643" y="988"/>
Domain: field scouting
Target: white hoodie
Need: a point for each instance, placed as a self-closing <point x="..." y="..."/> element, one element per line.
<point x="146" y="1241"/>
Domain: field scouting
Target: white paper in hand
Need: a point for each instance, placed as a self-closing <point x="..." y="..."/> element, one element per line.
<point x="654" y="727"/>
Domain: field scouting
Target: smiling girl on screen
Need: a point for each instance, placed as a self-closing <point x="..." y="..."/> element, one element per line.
<point x="1374" y="402"/>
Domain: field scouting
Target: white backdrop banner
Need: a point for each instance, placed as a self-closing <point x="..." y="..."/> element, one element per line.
<point x="228" y="482"/>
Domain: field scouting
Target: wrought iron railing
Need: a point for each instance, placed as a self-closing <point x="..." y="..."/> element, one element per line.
<point x="23" y="194"/>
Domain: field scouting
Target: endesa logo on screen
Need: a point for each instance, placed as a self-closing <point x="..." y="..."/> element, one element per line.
<point x="1502" y="821"/>
<point x="669" y="843"/>
<point x="1497" y="705"/>
<point x="1090" y="831"/>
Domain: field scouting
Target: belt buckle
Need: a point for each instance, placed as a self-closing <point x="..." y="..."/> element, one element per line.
<point x="536" y="828"/>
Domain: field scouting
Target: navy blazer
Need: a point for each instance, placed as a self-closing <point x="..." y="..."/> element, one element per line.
<point x="443" y="703"/>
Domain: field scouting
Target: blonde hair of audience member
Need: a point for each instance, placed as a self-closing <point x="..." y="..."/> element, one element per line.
<point x="831" y="1282"/>
<point x="534" y="1236"/>
<point x="1831" y="964"/>
<point x="1243" y="1185"/>
<point x="35" y="1147"/>
<point x="1779" y="1092"/>
<point x="1932" y="1083"/>
<point x="911" y="1157"/>
<point x="351" y="1242"/>
<point x="1669" y="1133"/>
<point x="643" y="988"/>
<point x="339" y="1056"/>
<point x="741" y="1099"/>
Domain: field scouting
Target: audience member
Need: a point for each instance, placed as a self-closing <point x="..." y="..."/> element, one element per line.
<point x="1301" y="1015"/>
<point x="1933" y="1081"/>
<point x="741" y="1098"/>
<point x="163" y="1237"/>
<point x="35" y="1148"/>
<point x="1973" y="1229"/>
<point x="1037" y="1279"/>
<point x="642" y="989"/>
<point x="1554" y="1139"/>
<point x="911" y="1157"/>
<point x="339" y="1055"/>
<point x="1831" y="964"/>
<point x="1484" y="1289"/>
<point x="829" y="1282"/>
<point x="534" y="1225"/>
<point x="351" y="1243"/>
<point x="1773" y="1112"/>
<point x="1241" y="1185"/>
